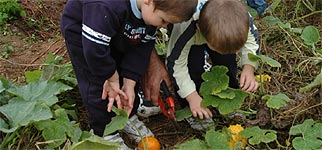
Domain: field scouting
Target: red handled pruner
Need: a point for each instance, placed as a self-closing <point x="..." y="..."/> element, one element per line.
<point x="166" y="102"/>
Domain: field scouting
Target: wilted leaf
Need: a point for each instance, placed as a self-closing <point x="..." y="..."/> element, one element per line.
<point x="276" y="101"/>
<point x="224" y="105"/>
<point x="183" y="113"/>
<point x="256" y="135"/>
<point x="310" y="35"/>
<point x="217" y="140"/>
<point x="311" y="135"/>
<point x="316" y="82"/>
<point x="40" y="91"/>
<point x="118" y="122"/>
<point x="192" y="144"/>
<point x="95" y="142"/>
<point x="215" y="80"/>
<point x="264" y="59"/>
<point x="20" y="113"/>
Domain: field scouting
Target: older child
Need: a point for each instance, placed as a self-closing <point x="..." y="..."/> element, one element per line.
<point x="109" y="44"/>
<point x="223" y="28"/>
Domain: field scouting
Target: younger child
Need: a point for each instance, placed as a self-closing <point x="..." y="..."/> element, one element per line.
<point x="109" y="44"/>
<point x="223" y="28"/>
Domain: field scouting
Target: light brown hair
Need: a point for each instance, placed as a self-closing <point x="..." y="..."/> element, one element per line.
<point x="179" y="8"/>
<point x="224" y="24"/>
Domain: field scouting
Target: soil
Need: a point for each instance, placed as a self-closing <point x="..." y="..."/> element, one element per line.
<point x="33" y="43"/>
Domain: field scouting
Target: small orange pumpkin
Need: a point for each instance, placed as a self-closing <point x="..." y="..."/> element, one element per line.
<point x="149" y="143"/>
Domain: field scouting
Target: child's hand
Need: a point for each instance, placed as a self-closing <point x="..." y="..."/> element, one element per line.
<point x="128" y="88"/>
<point x="111" y="88"/>
<point x="247" y="79"/>
<point x="197" y="110"/>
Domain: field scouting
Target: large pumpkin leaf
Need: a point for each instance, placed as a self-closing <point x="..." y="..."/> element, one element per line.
<point x="256" y="135"/>
<point x="311" y="132"/>
<point x="181" y="114"/>
<point x="216" y="140"/>
<point x="225" y="105"/>
<point x="264" y="59"/>
<point x="276" y="101"/>
<point x="192" y="144"/>
<point x="40" y="91"/>
<point x="95" y="143"/>
<point x="118" y="122"/>
<point x="59" y="129"/>
<point x="20" y="113"/>
<point x="214" y="81"/>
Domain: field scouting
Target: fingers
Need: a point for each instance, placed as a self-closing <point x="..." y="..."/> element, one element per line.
<point x="202" y="113"/>
<point x="250" y="86"/>
<point x="248" y="83"/>
<point x="155" y="93"/>
<point x="110" y="104"/>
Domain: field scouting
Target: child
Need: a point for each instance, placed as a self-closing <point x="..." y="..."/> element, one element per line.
<point x="109" y="44"/>
<point x="223" y="28"/>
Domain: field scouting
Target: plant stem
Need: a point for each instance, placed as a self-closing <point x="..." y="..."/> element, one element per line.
<point x="310" y="14"/>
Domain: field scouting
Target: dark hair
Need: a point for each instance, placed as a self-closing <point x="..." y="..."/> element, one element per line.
<point x="178" y="8"/>
<point x="224" y="24"/>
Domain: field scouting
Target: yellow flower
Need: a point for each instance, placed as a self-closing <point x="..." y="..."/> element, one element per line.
<point x="236" y="138"/>
<point x="263" y="78"/>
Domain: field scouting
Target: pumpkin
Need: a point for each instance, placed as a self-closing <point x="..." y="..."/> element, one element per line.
<point x="149" y="143"/>
<point x="234" y="130"/>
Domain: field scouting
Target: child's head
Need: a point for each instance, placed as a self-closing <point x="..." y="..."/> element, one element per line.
<point x="224" y="24"/>
<point x="162" y="12"/>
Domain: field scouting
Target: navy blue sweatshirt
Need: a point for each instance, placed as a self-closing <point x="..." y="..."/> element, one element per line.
<point x="113" y="35"/>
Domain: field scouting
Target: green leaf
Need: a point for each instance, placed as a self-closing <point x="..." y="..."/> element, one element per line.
<point x="270" y="21"/>
<point x="264" y="59"/>
<point x="217" y="140"/>
<point x="40" y="91"/>
<point x="118" y="122"/>
<point x="192" y="144"/>
<point x="297" y="30"/>
<point x="55" y="73"/>
<point x="274" y="5"/>
<point x="224" y="105"/>
<point x="286" y="26"/>
<point x="310" y="35"/>
<point x="59" y="129"/>
<point x="1" y="87"/>
<point x="319" y="51"/>
<point x="32" y="76"/>
<point x="256" y="135"/>
<point x="215" y="80"/>
<point x="21" y="113"/>
<point x="276" y="101"/>
<point x="96" y="143"/>
<point x="316" y="82"/>
<point x="311" y="135"/>
<point x="229" y="94"/>
<point x="183" y="113"/>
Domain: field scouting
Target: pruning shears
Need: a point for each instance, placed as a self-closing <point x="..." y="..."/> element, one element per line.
<point x="166" y="102"/>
